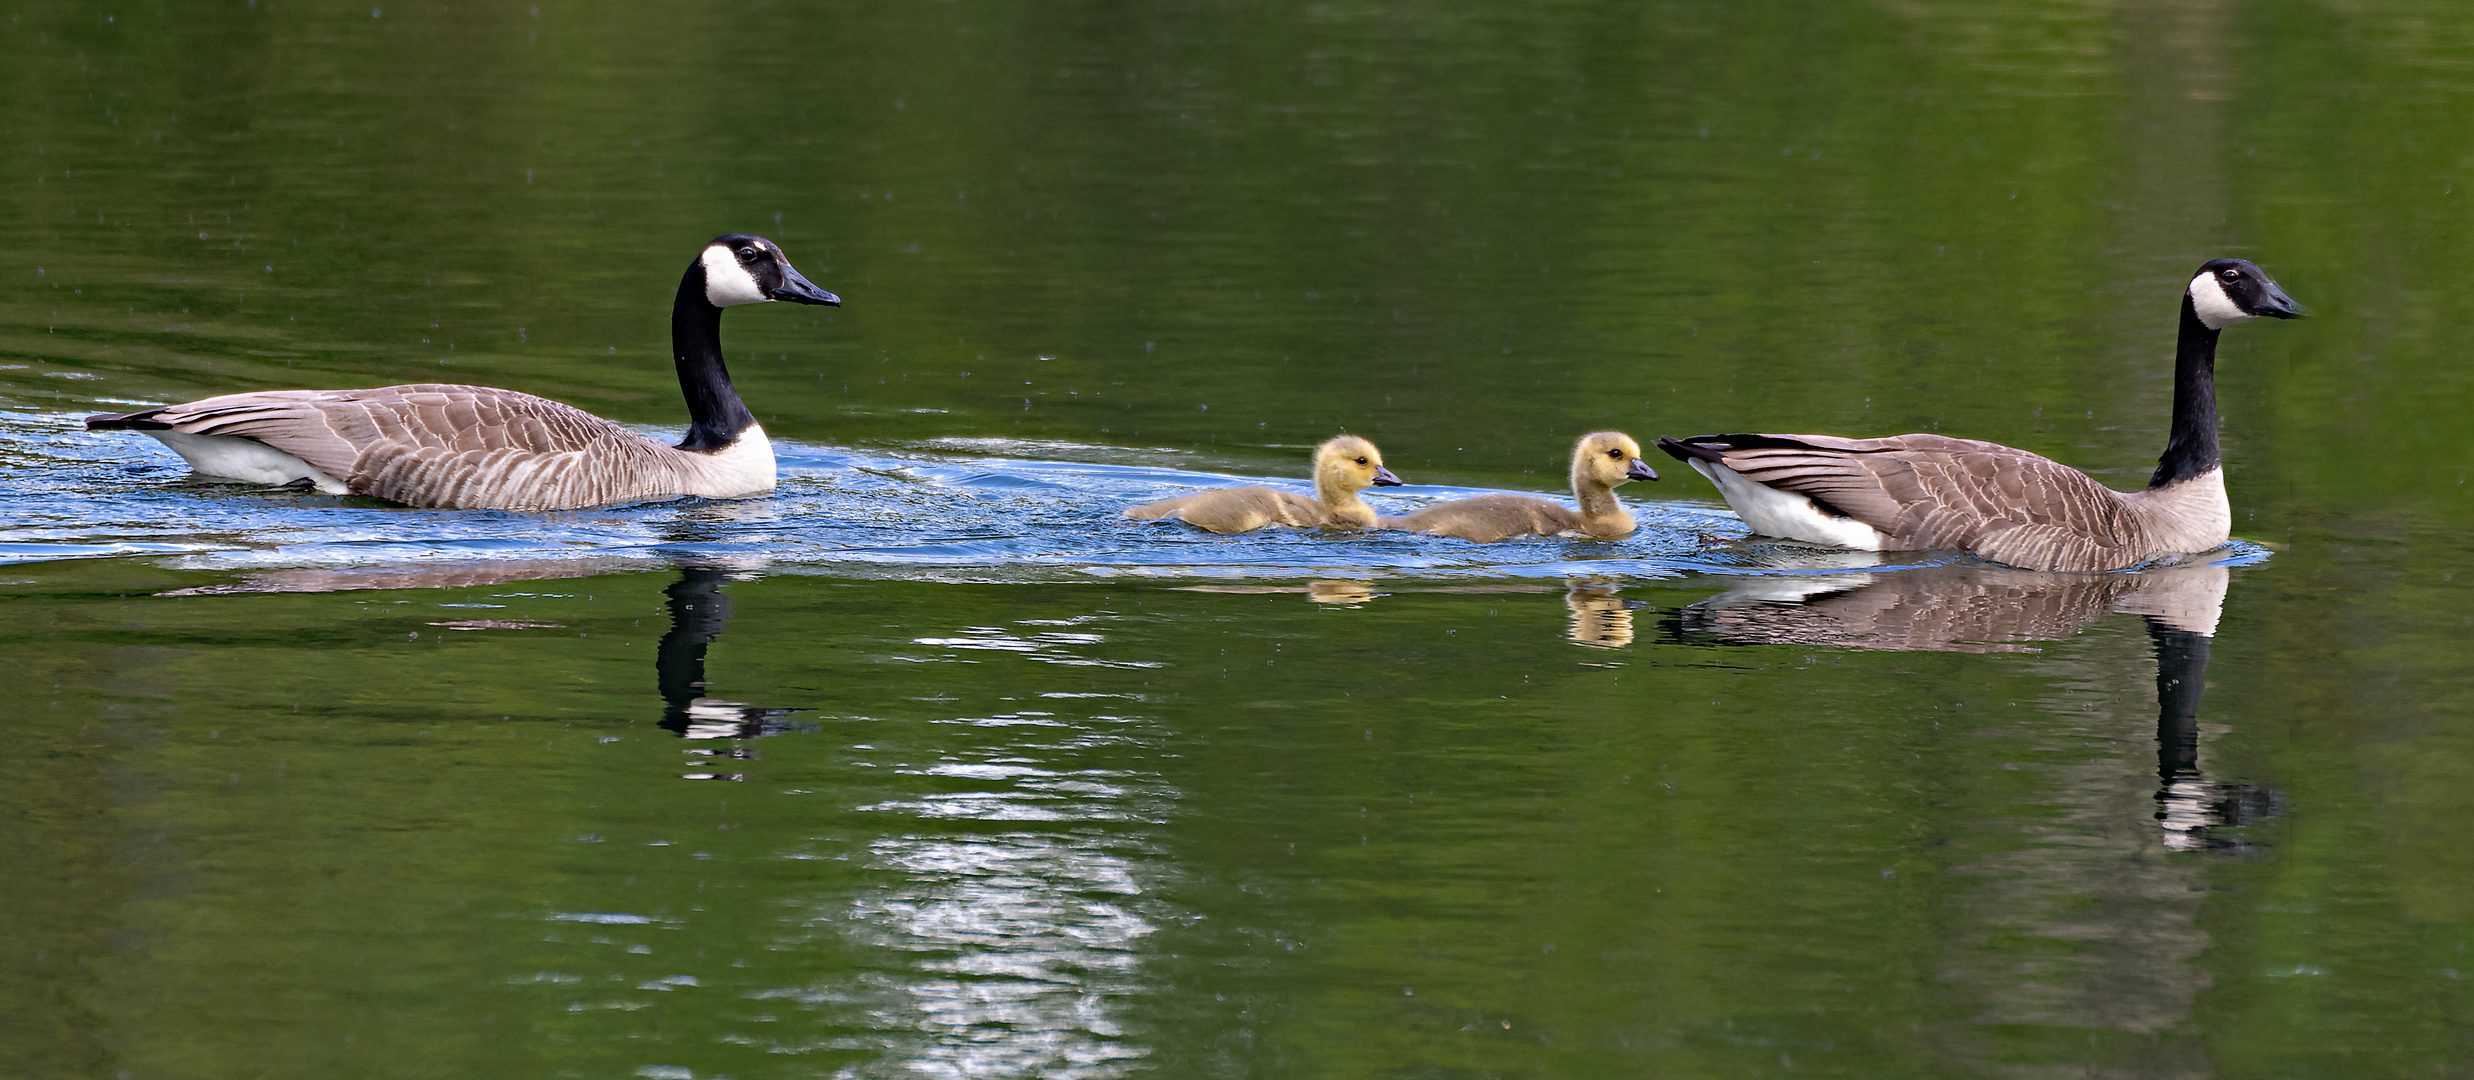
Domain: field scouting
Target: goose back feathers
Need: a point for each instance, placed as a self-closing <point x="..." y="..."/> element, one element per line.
<point x="447" y="446"/>
<point x="1343" y="467"/>
<point x="1601" y="462"/>
<point x="450" y="446"/>
<point x="1917" y="492"/>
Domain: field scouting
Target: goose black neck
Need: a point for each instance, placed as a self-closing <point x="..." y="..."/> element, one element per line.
<point x="2181" y="676"/>
<point x="699" y="612"/>
<point x="715" y="415"/>
<point x="2191" y="450"/>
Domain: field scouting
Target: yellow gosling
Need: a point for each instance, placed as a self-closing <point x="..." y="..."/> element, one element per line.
<point x="1601" y="461"/>
<point x="1343" y="466"/>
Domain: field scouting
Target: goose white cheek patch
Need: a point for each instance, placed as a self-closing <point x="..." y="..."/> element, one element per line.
<point x="2209" y="302"/>
<point x="726" y="283"/>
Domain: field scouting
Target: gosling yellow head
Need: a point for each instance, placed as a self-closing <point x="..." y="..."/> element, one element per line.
<point x="1350" y="463"/>
<point x="1608" y="459"/>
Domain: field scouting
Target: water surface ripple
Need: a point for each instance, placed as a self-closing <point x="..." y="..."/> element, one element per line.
<point x="977" y="509"/>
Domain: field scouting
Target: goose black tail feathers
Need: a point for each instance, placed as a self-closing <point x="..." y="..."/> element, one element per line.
<point x="141" y="420"/>
<point x="1710" y="448"/>
<point x="1684" y="451"/>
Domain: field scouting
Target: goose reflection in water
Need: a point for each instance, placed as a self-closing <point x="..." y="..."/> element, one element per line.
<point x="698" y="615"/>
<point x="699" y="612"/>
<point x="1982" y="609"/>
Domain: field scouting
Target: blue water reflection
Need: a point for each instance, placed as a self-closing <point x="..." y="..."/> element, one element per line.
<point x="919" y="513"/>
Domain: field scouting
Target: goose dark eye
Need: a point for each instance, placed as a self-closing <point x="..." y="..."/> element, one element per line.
<point x="2229" y="275"/>
<point x="747" y="254"/>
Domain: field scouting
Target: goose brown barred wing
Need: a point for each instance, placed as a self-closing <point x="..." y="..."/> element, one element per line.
<point x="469" y="446"/>
<point x="1932" y="491"/>
<point x="441" y="445"/>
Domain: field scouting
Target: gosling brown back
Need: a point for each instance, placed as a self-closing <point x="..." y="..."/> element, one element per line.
<point x="1601" y="461"/>
<point x="1343" y="466"/>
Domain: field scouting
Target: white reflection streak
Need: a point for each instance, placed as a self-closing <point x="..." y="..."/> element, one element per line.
<point x="2187" y="809"/>
<point x="1034" y="938"/>
<point x="1018" y="946"/>
<point x="1046" y="647"/>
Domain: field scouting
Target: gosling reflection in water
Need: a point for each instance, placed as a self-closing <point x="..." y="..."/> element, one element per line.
<point x="698" y="614"/>
<point x="1600" y="619"/>
<point x="1340" y="592"/>
<point x="1991" y="609"/>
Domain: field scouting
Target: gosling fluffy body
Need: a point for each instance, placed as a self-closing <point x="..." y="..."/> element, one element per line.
<point x="1601" y="462"/>
<point x="1343" y="466"/>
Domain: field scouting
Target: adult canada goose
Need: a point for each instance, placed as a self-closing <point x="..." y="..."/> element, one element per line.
<point x="481" y="448"/>
<point x="1913" y="492"/>
<point x="1601" y="461"/>
<point x="1343" y="466"/>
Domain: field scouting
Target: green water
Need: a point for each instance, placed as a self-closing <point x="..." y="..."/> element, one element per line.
<point x="924" y="767"/>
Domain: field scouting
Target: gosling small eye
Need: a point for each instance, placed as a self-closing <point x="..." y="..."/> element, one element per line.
<point x="1361" y="461"/>
<point x="1614" y="453"/>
